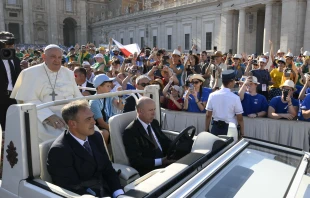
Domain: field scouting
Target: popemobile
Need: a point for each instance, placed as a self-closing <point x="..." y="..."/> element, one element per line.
<point x="216" y="166"/>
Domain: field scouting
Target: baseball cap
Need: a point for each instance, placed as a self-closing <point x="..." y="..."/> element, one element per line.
<point x="262" y="60"/>
<point x="101" y="78"/>
<point x="99" y="55"/>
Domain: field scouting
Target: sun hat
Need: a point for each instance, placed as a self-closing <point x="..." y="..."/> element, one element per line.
<point x="197" y="76"/>
<point x="288" y="83"/>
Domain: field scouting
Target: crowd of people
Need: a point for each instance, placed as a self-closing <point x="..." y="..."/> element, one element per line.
<point x="273" y="85"/>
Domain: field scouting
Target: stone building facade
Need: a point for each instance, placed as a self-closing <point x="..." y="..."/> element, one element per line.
<point x="236" y="25"/>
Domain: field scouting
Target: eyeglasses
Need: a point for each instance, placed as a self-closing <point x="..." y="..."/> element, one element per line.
<point x="144" y="84"/>
<point x="195" y="82"/>
<point x="286" y="90"/>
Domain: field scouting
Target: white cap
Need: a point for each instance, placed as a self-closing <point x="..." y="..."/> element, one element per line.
<point x="176" y="52"/>
<point x="266" y="54"/>
<point x="289" y="55"/>
<point x="280" y="51"/>
<point x="262" y="60"/>
<point x="115" y="49"/>
<point x="237" y="56"/>
<point x="51" y="46"/>
<point x="99" y="55"/>
<point x="85" y="63"/>
<point x="282" y="59"/>
<point x="178" y="89"/>
<point x="306" y="53"/>
<point x="252" y="78"/>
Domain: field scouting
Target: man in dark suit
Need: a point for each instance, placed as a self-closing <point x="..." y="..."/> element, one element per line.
<point x="144" y="142"/>
<point x="130" y="103"/>
<point x="77" y="160"/>
<point x="9" y="71"/>
<point x="80" y="79"/>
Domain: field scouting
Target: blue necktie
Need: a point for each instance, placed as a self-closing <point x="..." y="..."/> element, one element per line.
<point x="88" y="148"/>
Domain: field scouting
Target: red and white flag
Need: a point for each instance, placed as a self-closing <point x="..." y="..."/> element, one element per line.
<point x="128" y="49"/>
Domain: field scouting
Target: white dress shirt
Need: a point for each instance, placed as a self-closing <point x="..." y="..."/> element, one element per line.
<point x="158" y="161"/>
<point x="224" y="105"/>
<point x="117" y="192"/>
<point x="8" y="72"/>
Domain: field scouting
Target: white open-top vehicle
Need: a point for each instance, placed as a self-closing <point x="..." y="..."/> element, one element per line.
<point x="215" y="167"/>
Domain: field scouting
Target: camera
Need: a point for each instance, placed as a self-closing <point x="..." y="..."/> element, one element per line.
<point x="254" y="61"/>
<point x="6" y="53"/>
<point x="133" y="71"/>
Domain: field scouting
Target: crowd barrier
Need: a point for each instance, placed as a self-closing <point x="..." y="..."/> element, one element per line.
<point x="291" y="133"/>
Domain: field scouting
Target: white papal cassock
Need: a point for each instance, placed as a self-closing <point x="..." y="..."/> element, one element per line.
<point x="33" y="86"/>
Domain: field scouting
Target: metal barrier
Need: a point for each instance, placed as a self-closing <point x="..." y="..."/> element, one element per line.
<point x="289" y="133"/>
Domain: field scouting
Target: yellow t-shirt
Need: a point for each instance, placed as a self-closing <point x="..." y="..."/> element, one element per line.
<point x="276" y="77"/>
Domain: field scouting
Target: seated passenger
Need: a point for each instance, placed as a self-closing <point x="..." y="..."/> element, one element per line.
<point x="284" y="106"/>
<point x="253" y="104"/>
<point x="144" y="142"/>
<point x="77" y="160"/>
<point x="141" y="82"/>
<point x="103" y="107"/>
<point x="81" y="80"/>
<point x="196" y="97"/>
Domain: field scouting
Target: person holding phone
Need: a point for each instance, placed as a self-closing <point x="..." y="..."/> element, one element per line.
<point x="196" y="97"/>
<point x="173" y="93"/>
<point x="284" y="106"/>
<point x="254" y="105"/>
<point x="215" y="70"/>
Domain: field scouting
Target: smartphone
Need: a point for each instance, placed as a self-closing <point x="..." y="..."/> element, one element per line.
<point x="165" y="60"/>
<point x="190" y="52"/>
<point x="285" y="94"/>
<point x="230" y="51"/>
<point x="215" y="48"/>
<point x="191" y="87"/>
<point x="134" y="71"/>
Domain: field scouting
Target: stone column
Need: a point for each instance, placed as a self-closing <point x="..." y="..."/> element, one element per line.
<point x="307" y="28"/>
<point x="27" y="22"/>
<point x="199" y="36"/>
<point x="217" y="32"/>
<point x="20" y="33"/>
<point x="52" y="21"/>
<point x="83" y="22"/>
<point x="241" y="31"/>
<point x="268" y="26"/>
<point x="2" y="24"/>
<point x="226" y="31"/>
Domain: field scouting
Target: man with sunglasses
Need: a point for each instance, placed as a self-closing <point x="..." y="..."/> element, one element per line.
<point x="285" y="106"/>
<point x="130" y="102"/>
<point x="224" y="107"/>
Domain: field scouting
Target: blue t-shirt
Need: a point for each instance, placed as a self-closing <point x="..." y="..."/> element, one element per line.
<point x="192" y="105"/>
<point x="281" y="107"/>
<point x="96" y="107"/>
<point x="304" y="105"/>
<point x="179" y="76"/>
<point x="254" y="104"/>
<point x="130" y="87"/>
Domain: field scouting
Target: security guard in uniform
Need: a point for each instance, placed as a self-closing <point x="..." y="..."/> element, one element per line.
<point x="224" y="106"/>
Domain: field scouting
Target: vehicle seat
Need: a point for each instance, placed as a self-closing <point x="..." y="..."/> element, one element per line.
<point x="117" y="125"/>
<point x="44" y="148"/>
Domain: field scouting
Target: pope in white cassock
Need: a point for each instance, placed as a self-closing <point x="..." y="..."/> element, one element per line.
<point x="43" y="83"/>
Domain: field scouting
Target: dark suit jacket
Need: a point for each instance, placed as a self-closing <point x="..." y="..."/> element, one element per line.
<point x="3" y="75"/>
<point x="70" y="164"/>
<point x="90" y="85"/>
<point x="140" y="149"/>
<point x="130" y="104"/>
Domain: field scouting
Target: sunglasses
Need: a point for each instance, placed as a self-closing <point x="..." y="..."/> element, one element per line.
<point x="144" y="84"/>
<point x="286" y="90"/>
<point x="195" y="82"/>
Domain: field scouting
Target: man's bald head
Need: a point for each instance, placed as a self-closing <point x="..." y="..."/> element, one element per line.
<point x="144" y="101"/>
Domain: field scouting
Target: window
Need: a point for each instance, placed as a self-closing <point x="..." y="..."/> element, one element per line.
<point x="131" y="40"/>
<point x="208" y="40"/>
<point x="186" y="41"/>
<point x="122" y="41"/>
<point x="13" y="14"/>
<point x="169" y="42"/>
<point x="69" y="7"/>
<point x="142" y="41"/>
<point x="12" y="2"/>
<point x="154" y="41"/>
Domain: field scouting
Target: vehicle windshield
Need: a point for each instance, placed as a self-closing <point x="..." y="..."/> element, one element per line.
<point x="256" y="171"/>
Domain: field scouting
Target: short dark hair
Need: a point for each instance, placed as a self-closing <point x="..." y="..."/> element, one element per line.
<point x="81" y="70"/>
<point x="70" y="110"/>
<point x="226" y="82"/>
<point x="204" y="52"/>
